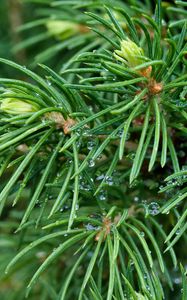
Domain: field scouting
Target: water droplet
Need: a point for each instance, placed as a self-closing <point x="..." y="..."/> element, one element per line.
<point x="100" y="177"/>
<point x="148" y="287"/>
<point x="136" y="199"/>
<point x="145" y="275"/>
<point x="120" y="132"/>
<point x="86" y="132"/>
<point x="91" y="144"/>
<point x="99" y="157"/>
<point x="90" y="254"/>
<point x="142" y="233"/>
<point x="69" y="161"/>
<point x="153" y="208"/>
<point x="48" y="82"/>
<point x="91" y="227"/>
<point x="177" y="280"/>
<point x="109" y="180"/>
<point x="64" y="208"/>
<point x="102" y="195"/>
<point x="91" y="163"/>
<point x="84" y="186"/>
<point x="177" y="232"/>
<point x="131" y="262"/>
<point x="78" y="144"/>
<point x="78" y="131"/>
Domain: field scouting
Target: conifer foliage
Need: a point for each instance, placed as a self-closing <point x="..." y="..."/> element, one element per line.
<point x="93" y="159"/>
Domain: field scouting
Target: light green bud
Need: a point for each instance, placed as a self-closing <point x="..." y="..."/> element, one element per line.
<point x="62" y="29"/>
<point x="15" y="106"/>
<point x="131" y="53"/>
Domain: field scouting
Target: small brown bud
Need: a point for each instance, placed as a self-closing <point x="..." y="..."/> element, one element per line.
<point x="67" y="125"/>
<point x="60" y="122"/>
<point x="155" y="87"/>
<point x="146" y="72"/>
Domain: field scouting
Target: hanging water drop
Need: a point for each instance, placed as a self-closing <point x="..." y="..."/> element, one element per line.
<point x="90" y="144"/>
<point x="136" y="199"/>
<point x="91" y="163"/>
<point x="153" y="208"/>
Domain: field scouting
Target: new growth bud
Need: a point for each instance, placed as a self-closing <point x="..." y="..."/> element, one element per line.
<point x="62" y="29"/>
<point x="130" y="53"/>
<point x="15" y="106"/>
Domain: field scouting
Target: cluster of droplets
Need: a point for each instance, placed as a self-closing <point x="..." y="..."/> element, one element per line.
<point x="181" y="103"/>
<point x="174" y="182"/>
<point x="109" y="180"/>
<point x="64" y="208"/>
<point x="86" y="132"/>
<point x="113" y="179"/>
<point x="83" y="132"/>
<point x="102" y="195"/>
<point x="38" y="204"/>
<point x="84" y="185"/>
<point x="120" y="133"/>
<point x="91" y="227"/>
